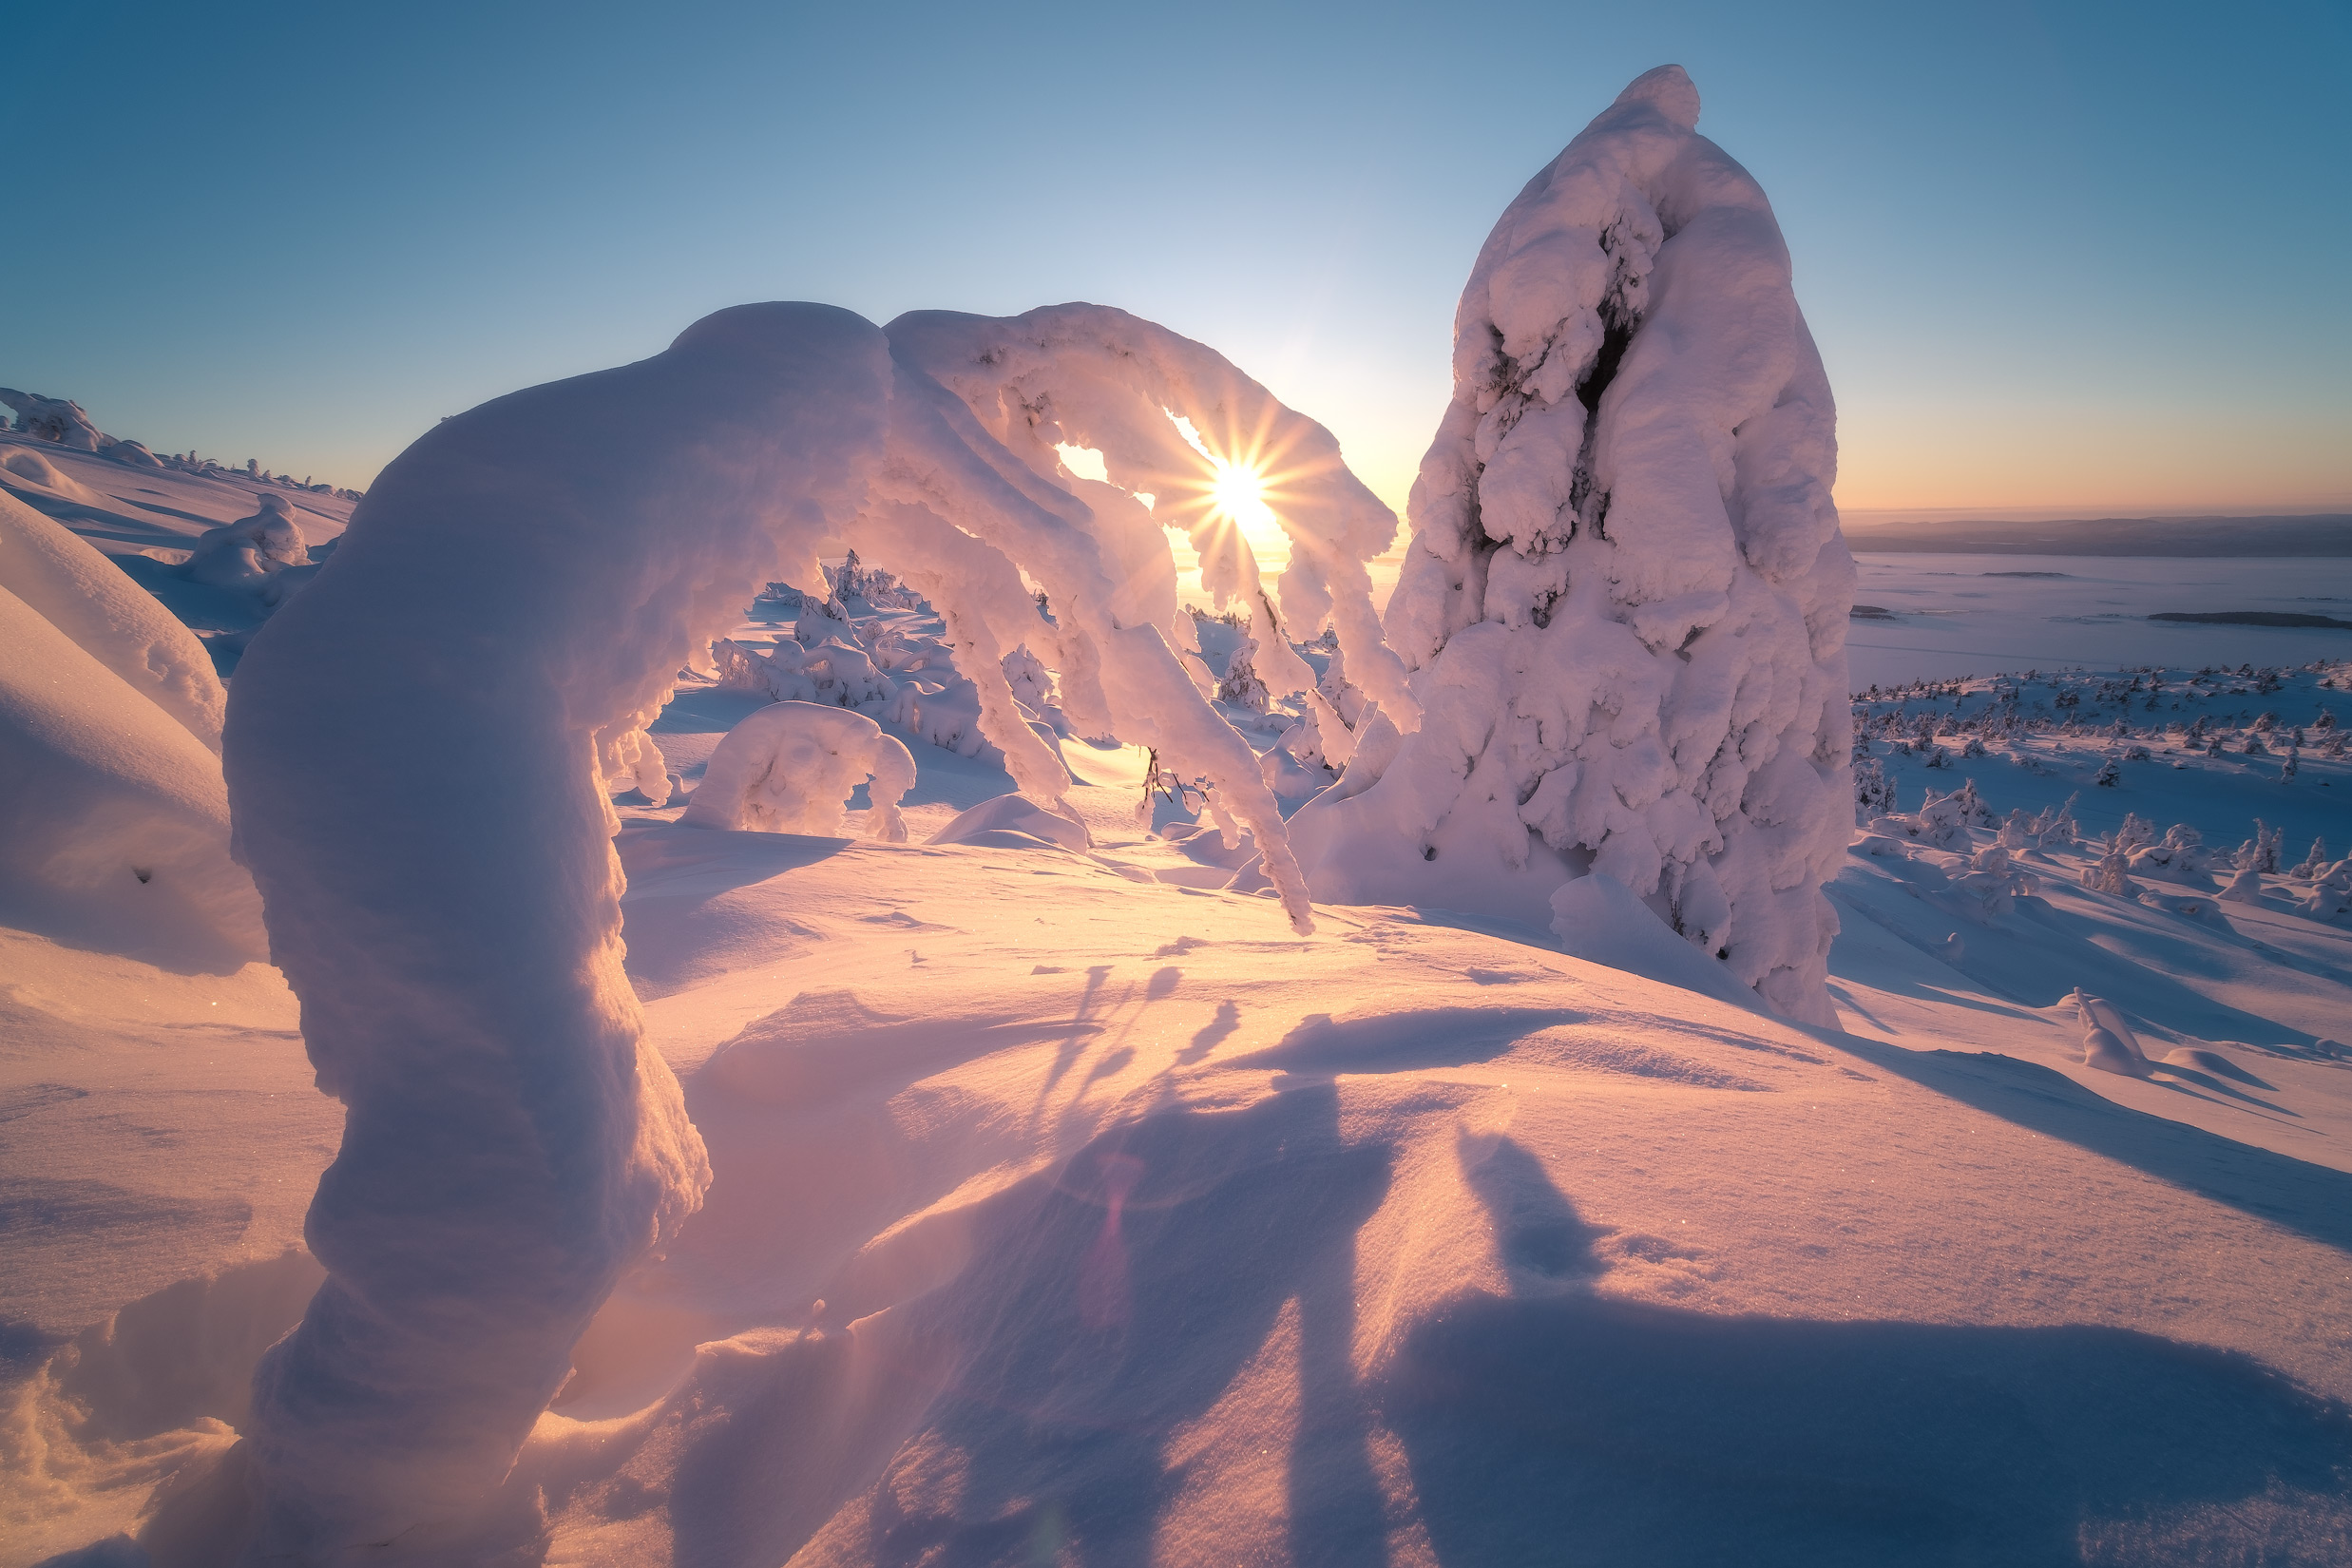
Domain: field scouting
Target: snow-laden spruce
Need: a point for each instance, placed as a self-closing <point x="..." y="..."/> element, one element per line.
<point x="1626" y="595"/>
<point x="421" y="748"/>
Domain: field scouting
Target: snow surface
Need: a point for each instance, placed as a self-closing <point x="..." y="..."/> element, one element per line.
<point x="1054" y="1203"/>
<point x="1626" y="599"/>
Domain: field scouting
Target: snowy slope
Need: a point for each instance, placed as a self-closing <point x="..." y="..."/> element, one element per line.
<point x="1056" y="1212"/>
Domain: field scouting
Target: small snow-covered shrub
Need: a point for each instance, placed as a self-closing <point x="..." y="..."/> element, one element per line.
<point x="2245" y="886"/>
<point x="1943" y="821"/>
<point x="2260" y="853"/>
<point x="2110" y="874"/>
<point x="789" y="767"/>
<point x="837" y="671"/>
<point x="1874" y="793"/>
<point x="248" y="552"/>
<point x="1240" y="685"/>
<point x="1031" y="682"/>
<point x="2313" y="861"/>
<point x="944" y="710"/>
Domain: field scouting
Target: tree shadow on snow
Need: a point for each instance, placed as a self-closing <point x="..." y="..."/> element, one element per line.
<point x="1108" y="1306"/>
<point x="1567" y="1428"/>
<point x="2312" y="1200"/>
<point x="1111" y="1305"/>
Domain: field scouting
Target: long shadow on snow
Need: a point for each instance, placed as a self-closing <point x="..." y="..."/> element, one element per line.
<point x="1113" y="1303"/>
<point x="1572" y="1429"/>
<point x="1108" y="1305"/>
<point x="2312" y="1200"/>
<point x="2039" y="951"/>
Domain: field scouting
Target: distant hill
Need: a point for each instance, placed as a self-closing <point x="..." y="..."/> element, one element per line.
<point x="2321" y="534"/>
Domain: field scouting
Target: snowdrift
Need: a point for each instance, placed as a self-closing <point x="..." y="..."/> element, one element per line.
<point x="82" y="595"/>
<point x="117" y="834"/>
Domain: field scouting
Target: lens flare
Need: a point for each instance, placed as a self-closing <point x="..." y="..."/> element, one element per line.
<point x="1240" y="492"/>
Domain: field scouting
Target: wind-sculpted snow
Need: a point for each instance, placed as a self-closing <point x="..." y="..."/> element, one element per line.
<point x="1626" y="596"/>
<point x="87" y="598"/>
<point x="423" y="744"/>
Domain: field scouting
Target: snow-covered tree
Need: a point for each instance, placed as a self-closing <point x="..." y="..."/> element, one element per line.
<point x="1626" y="596"/>
<point x="515" y="599"/>
<point x="1239" y="685"/>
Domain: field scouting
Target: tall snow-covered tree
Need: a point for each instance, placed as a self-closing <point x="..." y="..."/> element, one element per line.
<point x="1626" y="593"/>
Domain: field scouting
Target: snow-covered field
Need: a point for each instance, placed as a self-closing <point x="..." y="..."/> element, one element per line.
<point x="1069" y="1205"/>
<point x="1076" y="1192"/>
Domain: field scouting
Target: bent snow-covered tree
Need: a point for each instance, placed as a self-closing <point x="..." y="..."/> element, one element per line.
<point x="421" y="747"/>
<point x="1626" y="593"/>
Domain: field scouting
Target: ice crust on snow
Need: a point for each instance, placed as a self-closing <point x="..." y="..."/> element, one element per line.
<point x="1626" y="598"/>
<point x="789" y="767"/>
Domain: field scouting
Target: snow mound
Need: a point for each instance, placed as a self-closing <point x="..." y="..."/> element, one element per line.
<point x="249" y="553"/>
<point x="135" y="454"/>
<point x="117" y="830"/>
<point x="1597" y="918"/>
<point x="89" y="598"/>
<point x="22" y="466"/>
<point x="1626" y="596"/>
<point x="2108" y="1043"/>
<point x="788" y="768"/>
<point x="1009" y="821"/>
<point x="2212" y="1061"/>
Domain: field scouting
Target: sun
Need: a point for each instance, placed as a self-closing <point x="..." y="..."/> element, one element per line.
<point x="1240" y="491"/>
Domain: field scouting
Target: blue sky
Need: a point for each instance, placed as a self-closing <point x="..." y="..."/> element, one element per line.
<point x="2087" y="256"/>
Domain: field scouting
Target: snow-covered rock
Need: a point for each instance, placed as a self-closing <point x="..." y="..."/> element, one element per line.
<point x="1626" y="596"/>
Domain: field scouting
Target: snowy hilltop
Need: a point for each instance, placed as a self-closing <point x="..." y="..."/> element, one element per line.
<point x="1625" y="579"/>
<point x="731" y="968"/>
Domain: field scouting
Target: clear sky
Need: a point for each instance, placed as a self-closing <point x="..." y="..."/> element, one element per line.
<point x="2057" y="254"/>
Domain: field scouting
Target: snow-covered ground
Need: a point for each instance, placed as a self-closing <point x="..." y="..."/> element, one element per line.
<point x="1068" y="1206"/>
